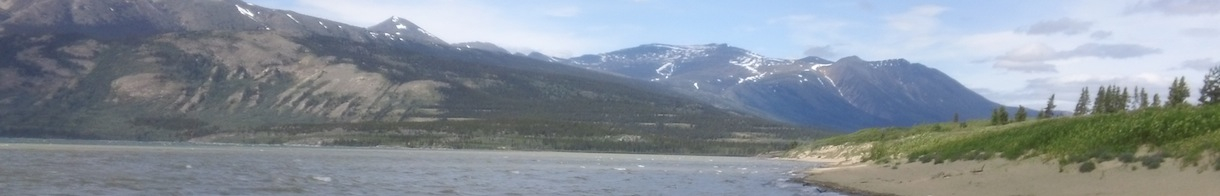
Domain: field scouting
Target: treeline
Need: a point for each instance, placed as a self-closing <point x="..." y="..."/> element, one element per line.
<point x="1114" y="99"/>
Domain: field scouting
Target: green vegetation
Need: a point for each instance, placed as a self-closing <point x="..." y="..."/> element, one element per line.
<point x="1021" y="114"/>
<point x="999" y="116"/>
<point x="1122" y="126"/>
<point x="1210" y="92"/>
<point x="1082" y="106"/>
<point x="1087" y="167"/>
<point x="1188" y="133"/>
<point x="1049" y="110"/>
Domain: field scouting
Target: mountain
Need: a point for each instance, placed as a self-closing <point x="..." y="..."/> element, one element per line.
<point x="847" y="94"/>
<point x="228" y="71"/>
<point x="481" y="46"/>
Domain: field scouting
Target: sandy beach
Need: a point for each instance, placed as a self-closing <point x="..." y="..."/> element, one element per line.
<point x="1003" y="177"/>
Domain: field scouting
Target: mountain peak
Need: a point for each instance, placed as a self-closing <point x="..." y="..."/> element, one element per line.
<point x="398" y="26"/>
<point x="490" y="47"/>
<point x="814" y="59"/>
<point x="850" y="59"/>
<point x="701" y="47"/>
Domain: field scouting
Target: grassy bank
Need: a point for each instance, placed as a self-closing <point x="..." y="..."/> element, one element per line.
<point x="1191" y="134"/>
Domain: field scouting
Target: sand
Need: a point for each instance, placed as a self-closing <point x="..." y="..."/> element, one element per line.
<point x="1003" y="177"/>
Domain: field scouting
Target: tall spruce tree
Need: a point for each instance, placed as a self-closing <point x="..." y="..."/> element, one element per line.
<point x="1003" y="116"/>
<point x="1209" y="93"/>
<point x="1021" y="114"/>
<point x="1116" y="101"/>
<point x="995" y="116"/>
<point x="1049" y="110"/>
<point x="1082" y="105"/>
<point x="1143" y="94"/>
<point x="1124" y="101"/>
<point x="1099" y="102"/>
<point x="1178" y="92"/>
<point x="1156" y="100"/>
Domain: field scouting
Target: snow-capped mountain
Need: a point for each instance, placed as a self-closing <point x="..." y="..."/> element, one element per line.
<point x="490" y="47"/>
<point x="402" y="29"/>
<point x="185" y="69"/>
<point x="847" y="94"/>
<point x="136" y="18"/>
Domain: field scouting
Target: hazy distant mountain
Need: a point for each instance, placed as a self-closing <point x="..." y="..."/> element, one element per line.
<point x="481" y="46"/>
<point x="847" y="94"/>
<point x="182" y="69"/>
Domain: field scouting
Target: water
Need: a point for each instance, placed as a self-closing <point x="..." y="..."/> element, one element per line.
<point x="128" y="168"/>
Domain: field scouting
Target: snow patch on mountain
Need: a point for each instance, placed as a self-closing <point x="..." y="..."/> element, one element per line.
<point x="666" y="70"/>
<point x="294" y="19"/>
<point x="816" y="66"/>
<point x="245" y="11"/>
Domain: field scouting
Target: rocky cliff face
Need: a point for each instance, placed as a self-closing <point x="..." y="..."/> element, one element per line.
<point x="847" y="94"/>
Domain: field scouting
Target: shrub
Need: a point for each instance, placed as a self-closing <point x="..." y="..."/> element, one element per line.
<point x="1217" y="164"/>
<point x="1153" y="161"/>
<point x="1127" y="157"/>
<point x="1087" y="167"/>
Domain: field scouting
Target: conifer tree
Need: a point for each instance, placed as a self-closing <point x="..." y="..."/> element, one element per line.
<point x="1082" y="105"/>
<point x="955" y="117"/>
<point x="1003" y="116"/>
<point x="1099" y="102"/>
<point x="1049" y="110"/>
<point x="1178" y="92"/>
<point x="1124" y="101"/>
<point x="995" y="116"/>
<point x="1115" y="100"/>
<point x="1156" y="100"/>
<point x="1210" y="92"/>
<point x="1143" y="94"/>
<point x="1021" y="114"/>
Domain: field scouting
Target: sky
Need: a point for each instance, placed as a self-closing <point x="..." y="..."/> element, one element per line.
<point x="1014" y="52"/>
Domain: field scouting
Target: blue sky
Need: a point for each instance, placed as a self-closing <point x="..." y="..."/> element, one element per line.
<point x="1013" y="52"/>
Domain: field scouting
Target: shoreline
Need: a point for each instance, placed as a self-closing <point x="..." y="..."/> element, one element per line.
<point x="1019" y="177"/>
<point x="846" y="190"/>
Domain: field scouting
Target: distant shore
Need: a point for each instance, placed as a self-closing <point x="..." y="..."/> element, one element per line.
<point x="1003" y="177"/>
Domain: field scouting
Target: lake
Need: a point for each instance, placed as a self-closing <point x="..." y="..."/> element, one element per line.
<point x="54" y="167"/>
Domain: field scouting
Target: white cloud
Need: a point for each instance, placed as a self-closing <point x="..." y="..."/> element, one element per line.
<point x="825" y="52"/>
<point x="1067" y="88"/>
<point x="565" y="11"/>
<point x="1177" y="7"/>
<point x="1115" y="51"/>
<point x="1201" y="32"/>
<point x="1101" y="34"/>
<point x="919" y="19"/>
<point x="465" y="21"/>
<point x="1033" y="58"/>
<point x="1066" y="26"/>
<point x="1202" y="64"/>
<point x="1027" y="67"/>
<point x="1030" y="52"/>
<point x="807" y="29"/>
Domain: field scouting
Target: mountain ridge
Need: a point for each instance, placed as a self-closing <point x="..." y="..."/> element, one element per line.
<point x="846" y="94"/>
<point x="248" y="74"/>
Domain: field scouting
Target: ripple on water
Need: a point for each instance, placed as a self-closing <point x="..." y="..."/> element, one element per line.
<point x="208" y="170"/>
